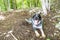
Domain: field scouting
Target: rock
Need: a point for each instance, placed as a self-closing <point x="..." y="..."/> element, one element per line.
<point x="7" y="35"/>
<point x="28" y="30"/>
<point x="55" y="34"/>
<point x="2" y="17"/>
<point x="58" y="25"/>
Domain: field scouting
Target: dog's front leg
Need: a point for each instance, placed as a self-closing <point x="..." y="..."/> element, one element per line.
<point x="43" y="35"/>
<point x="29" y="20"/>
<point x="37" y="34"/>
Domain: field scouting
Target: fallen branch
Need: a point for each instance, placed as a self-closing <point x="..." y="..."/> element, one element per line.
<point x="12" y="35"/>
<point x="55" y="16"/>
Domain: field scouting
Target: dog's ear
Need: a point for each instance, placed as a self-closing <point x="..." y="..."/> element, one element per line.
<point x="34" y="15"/>
<point x="39" y="12"/>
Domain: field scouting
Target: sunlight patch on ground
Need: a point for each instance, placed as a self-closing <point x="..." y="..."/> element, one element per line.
<point x="2" y="17"/>
<point x="58" y="25"/>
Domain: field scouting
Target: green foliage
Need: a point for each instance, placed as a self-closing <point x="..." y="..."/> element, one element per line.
<point x="2" y="5"/>
<point x="47" y="39"/>
<point x="20" y="4"/>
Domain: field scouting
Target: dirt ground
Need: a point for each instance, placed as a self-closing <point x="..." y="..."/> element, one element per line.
<point x="21" y="30"/>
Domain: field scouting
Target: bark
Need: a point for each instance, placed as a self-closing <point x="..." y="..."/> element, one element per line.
<point x="44" y="7"/>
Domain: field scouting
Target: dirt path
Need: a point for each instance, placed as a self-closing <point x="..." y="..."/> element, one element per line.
<point x="22" y="30"/>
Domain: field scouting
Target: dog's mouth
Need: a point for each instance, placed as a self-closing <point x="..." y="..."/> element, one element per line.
<point x="36" y="22"/>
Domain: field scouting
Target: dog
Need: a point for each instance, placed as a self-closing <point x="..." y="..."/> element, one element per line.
<point x="37" y="23"/>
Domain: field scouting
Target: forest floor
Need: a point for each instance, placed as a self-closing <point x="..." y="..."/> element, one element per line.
<point x="21" y="30"/>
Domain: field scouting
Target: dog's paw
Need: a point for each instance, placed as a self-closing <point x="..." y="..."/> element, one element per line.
<point x="37" y="35"/>
<point x="28" y="20"/>
<point x="43" y="36"/>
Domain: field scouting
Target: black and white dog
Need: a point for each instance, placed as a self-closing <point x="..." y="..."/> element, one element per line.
<point x="37" y="22"/>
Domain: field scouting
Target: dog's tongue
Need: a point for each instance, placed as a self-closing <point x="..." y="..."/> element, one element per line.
<point x="36" y="22"/>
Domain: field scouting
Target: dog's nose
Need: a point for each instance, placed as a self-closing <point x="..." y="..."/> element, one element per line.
<point x="36" y="18"/>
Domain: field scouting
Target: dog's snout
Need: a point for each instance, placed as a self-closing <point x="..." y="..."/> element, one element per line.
<point x="36" y="18"/>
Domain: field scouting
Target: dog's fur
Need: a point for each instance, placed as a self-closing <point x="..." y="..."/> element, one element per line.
<point x="37" y="22"/>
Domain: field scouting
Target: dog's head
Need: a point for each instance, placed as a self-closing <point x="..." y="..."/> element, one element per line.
<point x="36" y="18"/>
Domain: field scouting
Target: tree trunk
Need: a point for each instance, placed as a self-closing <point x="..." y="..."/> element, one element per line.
<point x="47" y="4"/>
<point x="44" y="7"/>
<point x="8" y="4"/>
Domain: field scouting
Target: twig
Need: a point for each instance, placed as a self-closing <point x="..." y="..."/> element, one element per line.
<point x="12" y="35"/>
<point x="56" y="16"/>
<point x="2" y="34"/>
